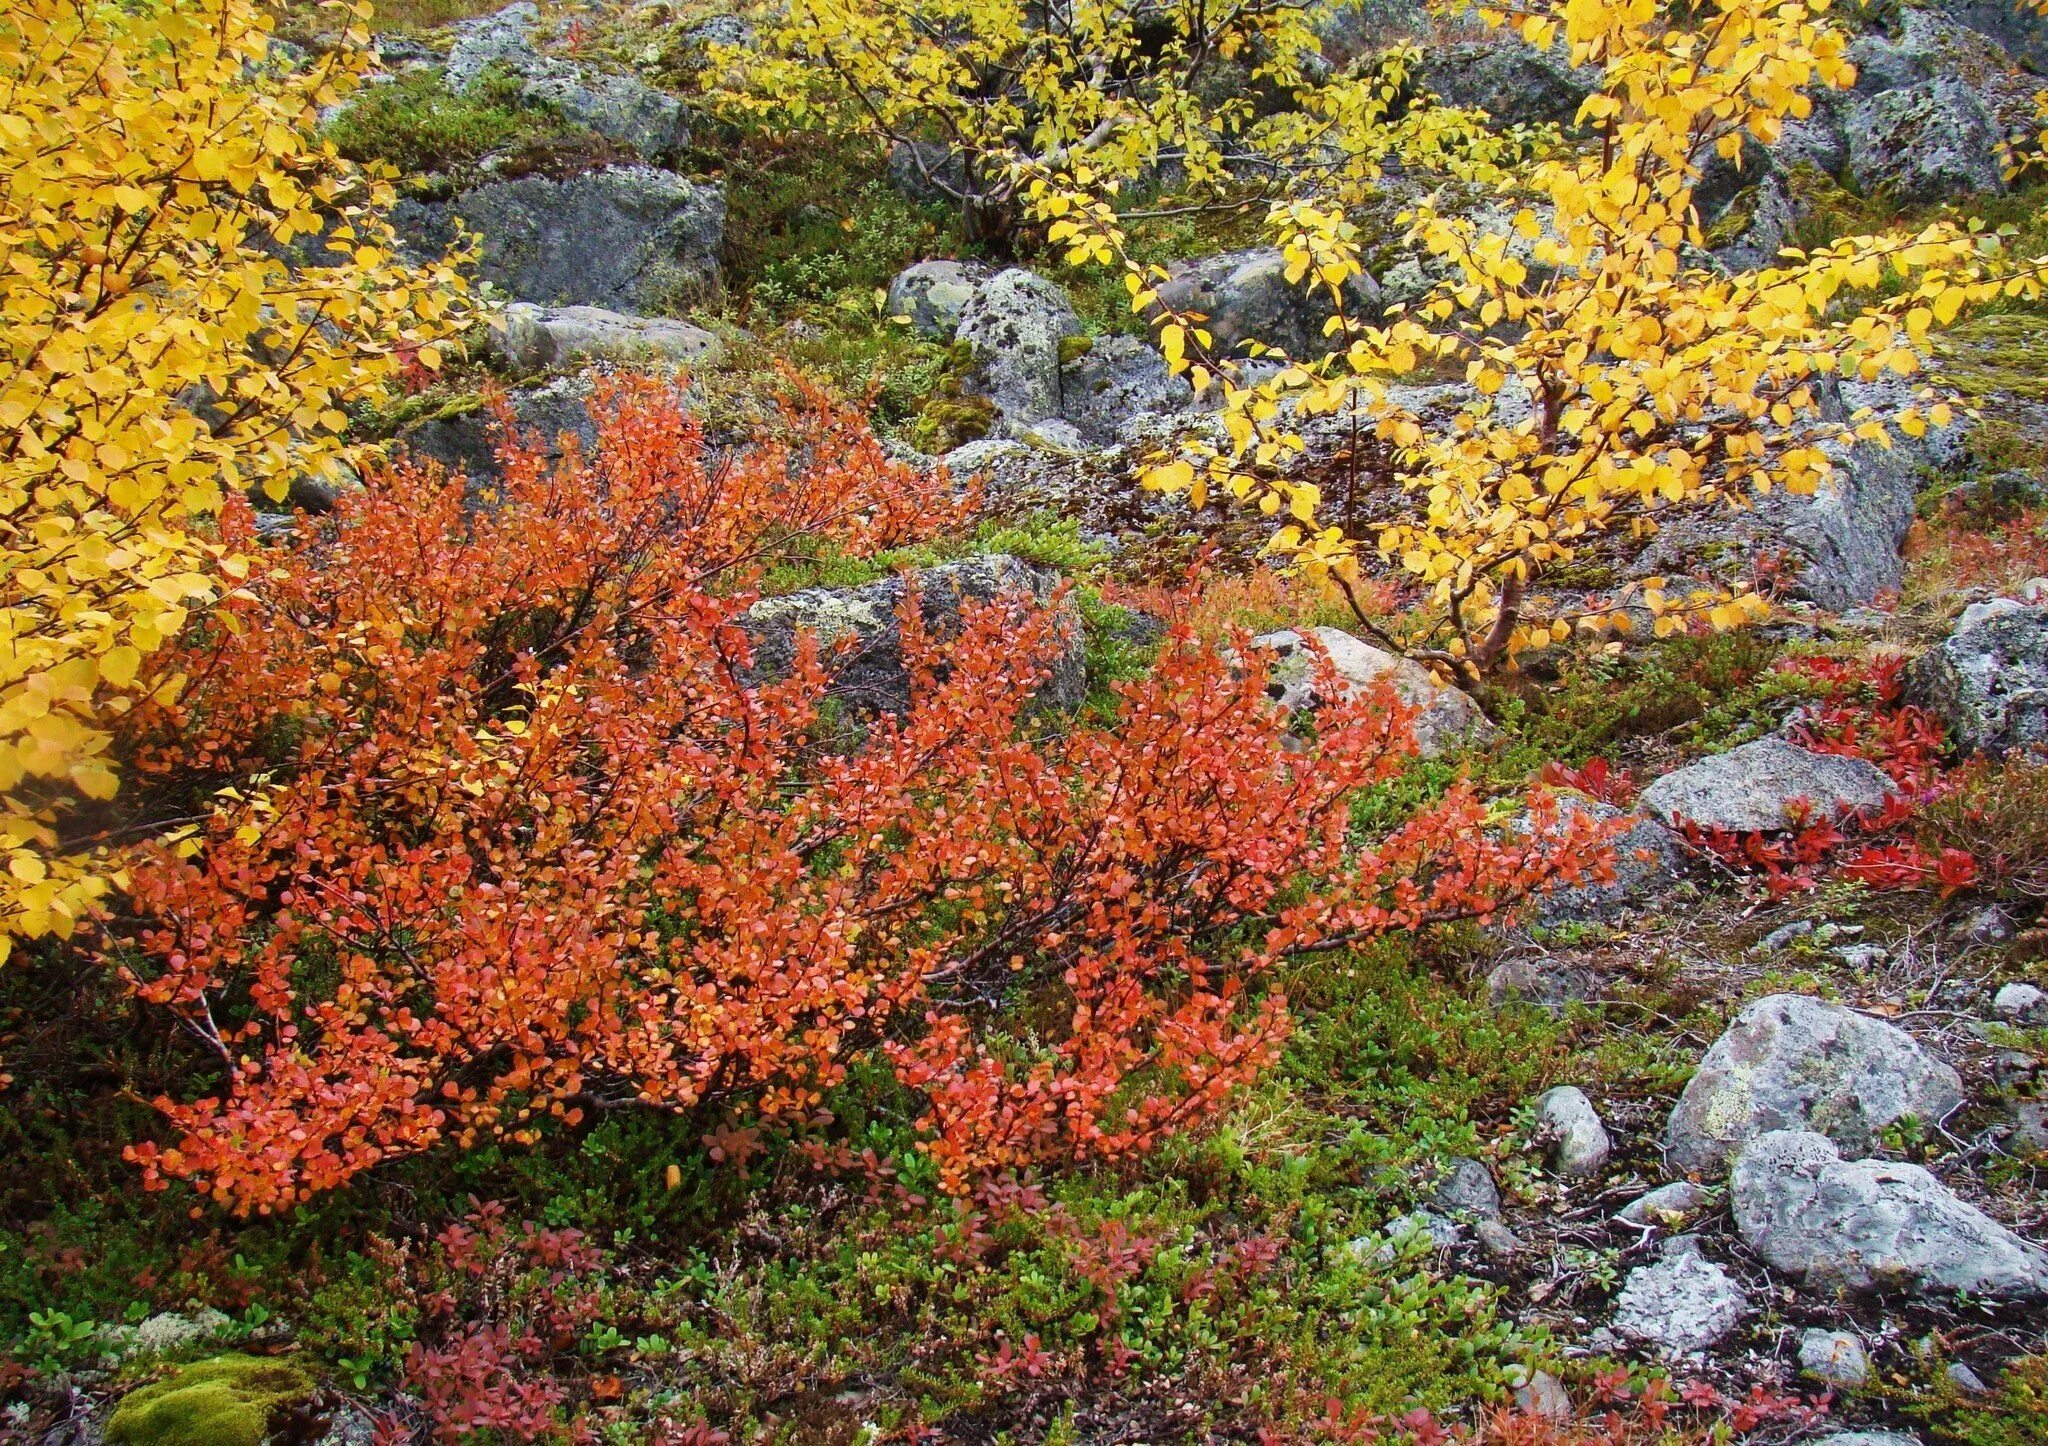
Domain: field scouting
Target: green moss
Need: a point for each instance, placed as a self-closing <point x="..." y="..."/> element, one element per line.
<point x="418" y="125"/>
<point x="227" y="1401"/>
<point x="1073" y="348"/>
<point x="2001" y="355"/>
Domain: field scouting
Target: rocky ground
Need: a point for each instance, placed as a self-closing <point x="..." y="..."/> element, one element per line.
<point x="1752" y="1120"/>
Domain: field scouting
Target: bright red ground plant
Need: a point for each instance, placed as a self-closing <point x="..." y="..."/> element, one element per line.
<point x="498" y="828"/>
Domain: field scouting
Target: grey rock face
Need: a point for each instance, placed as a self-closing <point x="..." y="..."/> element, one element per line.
<point x="1680" y="1305"/>
<point x="1447" y="718"/>
<point x="1510" y="80"/>
<point x="1870" y="1225"/>
<point x="870" y="675"/>
<point x="618" y="107"/>
<point x="1988" y="679"/>
<point x="2021" y="33"/>
<point x="1772" y="216"/>
<point x="535" y="337"/>
<point x="1578" y="1141"/>
<point x="1015" y="322"/>
<point x="932" y="294"/>
<point x="1247" y="298"/>
<point x="1120" y="382"/>
<point x="1935" y="141"/>
<point x="1836" y="1357"/>
<point x="1789" y="1062"/>
<point x="630" y="238"/>
<point x="1756" y="786"/>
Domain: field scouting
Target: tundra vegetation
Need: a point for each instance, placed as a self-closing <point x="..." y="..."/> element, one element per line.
<point x="1123" y="720"/>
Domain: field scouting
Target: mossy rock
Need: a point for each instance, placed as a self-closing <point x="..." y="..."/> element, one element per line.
<point x="225" y="1401"/>
<point x="2000" y="355"/>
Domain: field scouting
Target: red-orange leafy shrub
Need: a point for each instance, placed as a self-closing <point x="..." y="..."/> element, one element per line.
<point x="514" y="833"/>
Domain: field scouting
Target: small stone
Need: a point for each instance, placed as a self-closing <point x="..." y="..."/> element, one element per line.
<point x="1545" y="1396"/>
<point x="930" y="295"/>
<point x="1495" y="1239"/>
<point x="1779" y="937"/>
<point x="1466" y="1188"/>
<point x="1871" y="1438"/>
<point x="1987" y="925"/>
<point x="1402" y="1229"/>
<point x="1681" y="1305"/>
<point x="2029" y="1129"/>
<point x="2020" y="1004"/>
<point x="1578" y="1141"/>
<point x="1964" y="1379"/>
<point x="1836" y="1357"/>
<point x="1862" y="957"/>
<point x="1668" y="1205"/>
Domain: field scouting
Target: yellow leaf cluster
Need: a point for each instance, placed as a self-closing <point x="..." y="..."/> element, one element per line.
<point x="192" y="289"/>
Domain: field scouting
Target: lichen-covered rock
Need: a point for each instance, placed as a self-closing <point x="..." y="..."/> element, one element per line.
<point x="631" y="238"/>
<point x="1447" y="718"/>
<point x="1865" y="1226"/>
<point x="1680" y="1305"/>
<point x="535" y="337"/>
<point x="1578" y="1143"/>
<point x="857" y="628"/>
<point x="1356" y="28"/>
<point x="1116" y="383"/>
<point x="1510" y="79"/>
<point x="930" y="295"/>
<point x="226" y="1401"/>
<point x="1015" y="322"/>
<point x="619" y="107"/>
<point x="1988" y="679"/>
<point x="1936" y="141"/>
<point x="1790" y="1062"/>
<point x="1925" y="45"/>
<point x="1762" y="786"/>
<point x="1247" y="298"/>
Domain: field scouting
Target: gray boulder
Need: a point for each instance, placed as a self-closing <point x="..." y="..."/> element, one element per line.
<point x="1247" y="298"/>
<point x="1447" y="718"/>
<point x="1759" y="785"/>
<point x="1578" y="1143"/>
<point x="631" y="238"/>
<point x="2019" y="1003"/>
<point x="1648" y="860"/>
<point x="618" y="107"/>
<point x="1988" y="679"/>
<point x="1926" y="45"/>
<point x="1935" y="141"/>
<point x="930" y="172"/>
<point x="1865" y="1226"/>
<point x="1510" y="79"/>
<point x="535" y="337"/>
<point x="1015" y="323"/>
<point x="1789" y="1062"/>
<point x="1119" y="383"/>
<point x="465" y="441"/>
<point x="1680" y="1305"/>
<point x="932" y="294"/>
<point x="869" y="674"/>
<point x="2020" y="31"/>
